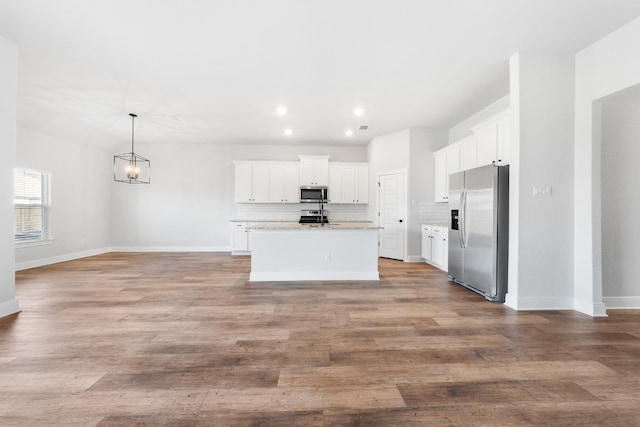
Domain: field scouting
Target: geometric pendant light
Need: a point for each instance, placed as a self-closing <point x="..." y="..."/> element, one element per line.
<point x="131" y="168"/>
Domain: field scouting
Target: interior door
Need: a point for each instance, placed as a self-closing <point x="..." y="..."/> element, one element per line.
<point x="392" y="210"/>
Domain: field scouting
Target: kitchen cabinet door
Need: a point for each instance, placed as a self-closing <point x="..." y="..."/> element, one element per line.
<point x="335" y="184"/>
<point x="447" y="161"/>
<point x="426" y="242"/>
<point x="292" y="184"/>
<point x="314" y="170"/>
<point x="493" y="139"/>
<point x="244" y="183"/>
<point x="487" y="142"/>
<point x="468" y="153"/>
<point x="260" y="183"/>
<point x="349" y="183"/>
<point x="441" y="176"/>
<point x="437" y="248"/>
<point x="283" y="183"/>
<point x="362" y="184"/>
<point x="240" y="238"/>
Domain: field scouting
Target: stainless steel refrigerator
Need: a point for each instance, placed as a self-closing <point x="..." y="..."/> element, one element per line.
<point x="479" y="232"/>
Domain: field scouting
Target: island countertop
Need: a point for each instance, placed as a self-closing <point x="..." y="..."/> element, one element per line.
<point x="306" y="227"/>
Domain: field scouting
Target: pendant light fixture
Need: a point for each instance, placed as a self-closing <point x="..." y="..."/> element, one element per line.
<point x="131" y="168"/>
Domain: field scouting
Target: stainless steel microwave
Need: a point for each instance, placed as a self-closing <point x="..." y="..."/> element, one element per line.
<point x="314" y="194"/>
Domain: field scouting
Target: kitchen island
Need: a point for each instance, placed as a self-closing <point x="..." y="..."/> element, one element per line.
<point x="287" y="251"/>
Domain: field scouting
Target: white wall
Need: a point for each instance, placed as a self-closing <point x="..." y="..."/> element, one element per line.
<point x="620" y="199"/>
<point x="410" y="150"/>
<point x="541" y="232"/>
<point x="8" y="103"/>
<point x="422" y="143"/>
<point x="190" y="200"/>
<point x="462" y="129"/>
<point x="608" y="66"/>
<point x="80" y="197"/>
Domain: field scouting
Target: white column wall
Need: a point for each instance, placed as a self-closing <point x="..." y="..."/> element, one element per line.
<point x="608" y="66"/>
<point x="8" y="113"/>
<point x="542" y="103"/>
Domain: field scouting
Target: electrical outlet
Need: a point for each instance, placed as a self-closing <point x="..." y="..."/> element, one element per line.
<point x="327" y="257"/>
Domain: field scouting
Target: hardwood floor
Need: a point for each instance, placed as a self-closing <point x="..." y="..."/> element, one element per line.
<point x="185" y="340"/>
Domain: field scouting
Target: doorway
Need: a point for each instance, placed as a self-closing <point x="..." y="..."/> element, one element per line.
<point x="620" y="207"/>
<point x="392" y="214"/>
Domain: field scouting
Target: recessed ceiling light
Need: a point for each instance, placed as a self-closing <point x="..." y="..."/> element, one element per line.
<point x="281" y="111"/>
<point x="349" y="132"/>
<point x="288" y="132"/>
<point x="358" y="112"/>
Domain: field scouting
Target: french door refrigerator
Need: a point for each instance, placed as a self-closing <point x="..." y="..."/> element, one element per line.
<point x="479" y="232"/>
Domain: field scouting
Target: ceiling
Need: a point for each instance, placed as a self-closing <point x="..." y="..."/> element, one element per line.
<point x="199" y="71"/>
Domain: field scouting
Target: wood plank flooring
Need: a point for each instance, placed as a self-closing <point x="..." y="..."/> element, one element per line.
<point x="183" y="339"/>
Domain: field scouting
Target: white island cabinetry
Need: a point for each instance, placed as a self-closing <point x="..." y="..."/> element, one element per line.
<point x="293" y="252"/>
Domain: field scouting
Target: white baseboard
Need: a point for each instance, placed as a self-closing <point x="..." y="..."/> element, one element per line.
<point x="539" y="303"/>
<point x="60" y="258"/>
<point x="290" y="276"/>
<point x="590" y="308"/>
<point x="171" y="249"/>
<point x="9" y="307"/>
<point x="621" y="302"/>
<point x="414" y="258"/>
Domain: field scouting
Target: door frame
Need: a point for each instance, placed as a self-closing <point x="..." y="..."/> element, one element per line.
<point x="405" y="173"/>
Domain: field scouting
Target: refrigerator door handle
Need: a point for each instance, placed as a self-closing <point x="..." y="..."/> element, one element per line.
<point x="463" y="214"/>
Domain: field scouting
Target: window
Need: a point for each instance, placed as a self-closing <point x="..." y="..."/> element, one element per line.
<point x="32" y="204"/>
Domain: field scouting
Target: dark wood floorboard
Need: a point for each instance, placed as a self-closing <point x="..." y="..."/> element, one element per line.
<point x="183" y="339"/>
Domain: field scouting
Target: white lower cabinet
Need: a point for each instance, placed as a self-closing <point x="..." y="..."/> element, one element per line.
<point x="240" y="238"/>
<point x="435" y="245"/>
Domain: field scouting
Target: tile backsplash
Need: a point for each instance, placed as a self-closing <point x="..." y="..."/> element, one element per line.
<point x="434" y="213"/>
<point x="430" y="212"/>
<point x="291" y="212"/>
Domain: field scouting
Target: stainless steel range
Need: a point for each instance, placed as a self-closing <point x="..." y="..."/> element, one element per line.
<point x="314" y="216"/>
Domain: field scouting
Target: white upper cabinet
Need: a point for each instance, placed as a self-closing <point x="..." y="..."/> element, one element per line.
<point x="349" y="183"/>
<point x="493" y="139"/>
<point x="468" y="153"/>
<point x="489" y="144"/>
<point x="314" y="170"/>
<point x="252" y="182"/>
<point x="447" y="161"/>
<point x="284" y="186"/>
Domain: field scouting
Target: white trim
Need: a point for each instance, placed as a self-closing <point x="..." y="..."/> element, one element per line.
<point x="31" y="243"/>
<point x="59" y="258"/>
<point x="621" y="302"/>
<point x="171" y="249"/>
<point x="539" y="303"/>
<point x="288" y="276"/>
<point x="590" y="308"/>
<point x="416" y="258"/>
<point x="8" y="308"/>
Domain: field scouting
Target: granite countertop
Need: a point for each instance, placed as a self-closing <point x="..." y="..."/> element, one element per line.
<point x="344" y="225"/>
<point x="437" y="224"/>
